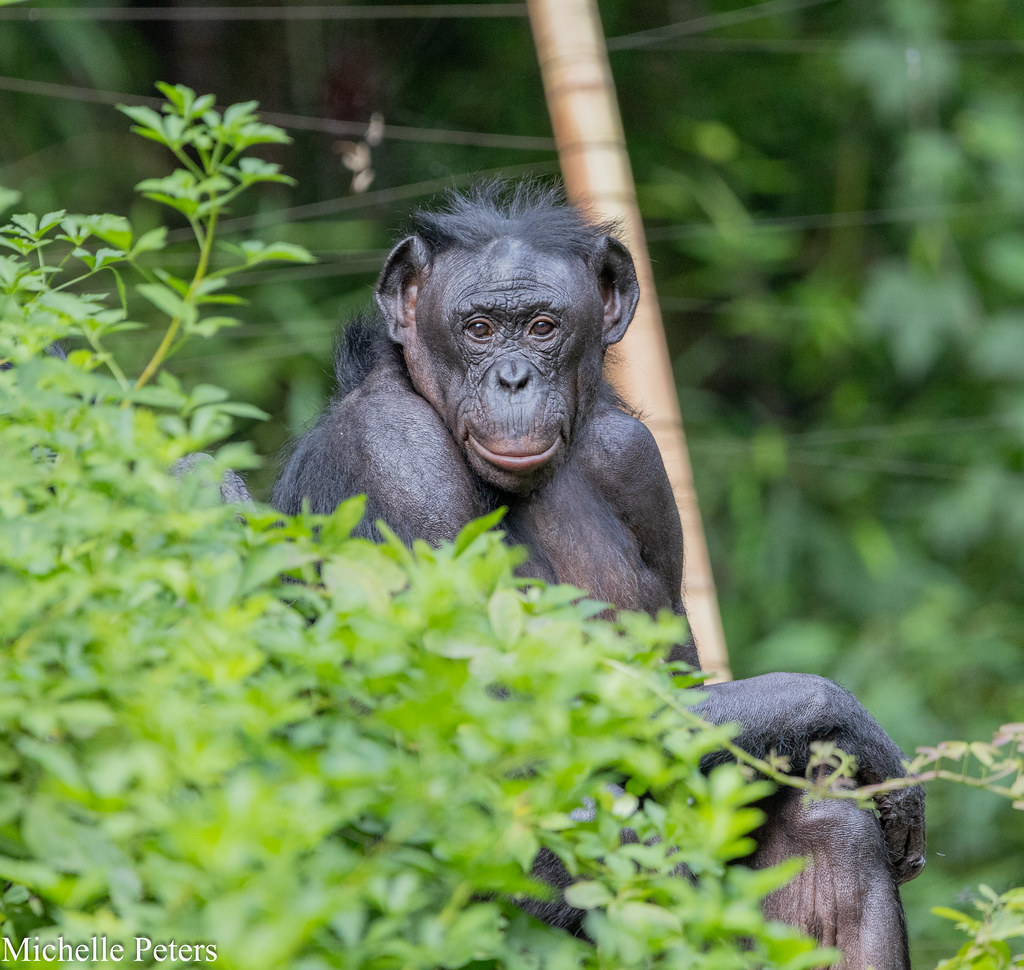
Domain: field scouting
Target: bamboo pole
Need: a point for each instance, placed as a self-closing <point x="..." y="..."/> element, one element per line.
<point x="592" y="150"/>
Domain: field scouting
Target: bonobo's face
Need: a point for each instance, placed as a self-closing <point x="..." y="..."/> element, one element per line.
<point x="507" y="345"/>
<point x="513" y="342"/>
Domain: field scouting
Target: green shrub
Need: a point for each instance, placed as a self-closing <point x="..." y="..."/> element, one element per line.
<point x="293" y="747"/>
<point x="1001" y="920"/>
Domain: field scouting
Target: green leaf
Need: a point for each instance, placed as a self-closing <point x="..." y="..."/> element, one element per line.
<point x="587" y="895"/>
<point x="954" y="914"/>
<point x="167" y="301"/>
<point x="476" y="528"/>
<point x="8" y="197"/>
<point x="208" y="326"/>
<point x="255" y="252"/>
<point x="150" y="122"/>
<point x="35" y="875"/>
<point x="151" y="241"/>
<point x="240" y="409"/>
<point x="505" y="611"/>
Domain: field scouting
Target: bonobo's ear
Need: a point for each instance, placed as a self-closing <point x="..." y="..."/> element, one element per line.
<point x="398" y="287"/>
<point x="619" y="289"/>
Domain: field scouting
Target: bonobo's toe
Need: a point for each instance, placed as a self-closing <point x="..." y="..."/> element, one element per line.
<point x="910" y="868"/>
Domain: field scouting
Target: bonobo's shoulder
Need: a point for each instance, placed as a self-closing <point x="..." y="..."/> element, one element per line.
<point x="385" y="396"/>
<point x="621" y="442"/>
<point x="384" y="423"/>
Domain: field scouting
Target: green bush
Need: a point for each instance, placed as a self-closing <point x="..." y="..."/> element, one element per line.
<point x="271" y="743"/>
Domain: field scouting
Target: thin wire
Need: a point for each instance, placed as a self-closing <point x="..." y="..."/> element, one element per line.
<point x="834" y="220"/>
<point x="825" y="220"/>
<point x="327" y="126"/>
<point x="476" y="139"/>
<point x="294" y="274"/>
<point x="908" y="429"/>
<point x="794" y="45"/>
<point x="408" y="11"/>
<point x="804" y="440"/>
<point x="887" y="466"/>
<point x="369" y="200"/>
<point x="699" y="25"/>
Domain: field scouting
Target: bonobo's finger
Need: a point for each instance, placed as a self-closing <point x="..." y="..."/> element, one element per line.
<point x="903" y="823"/>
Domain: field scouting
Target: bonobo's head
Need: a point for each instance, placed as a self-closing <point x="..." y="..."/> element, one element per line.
<point x="504" y="308"/>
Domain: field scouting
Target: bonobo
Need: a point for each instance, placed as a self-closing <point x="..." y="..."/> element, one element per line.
<point x="478" y="384"/>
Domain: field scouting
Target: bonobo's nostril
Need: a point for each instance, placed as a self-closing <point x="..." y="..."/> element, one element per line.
<point x="512" y="377"/>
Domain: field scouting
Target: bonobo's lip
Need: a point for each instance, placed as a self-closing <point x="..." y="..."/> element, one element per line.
<point x="513" y="462"/>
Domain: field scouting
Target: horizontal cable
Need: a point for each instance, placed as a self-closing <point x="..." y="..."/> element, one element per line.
<point x="327" y="126"/>
<point x="834" y="220"/>
<point x="372" y="199"/>
<point x="404" y="11"/>
<point x="700" y="25"/>
<point x="874" y="433"/>
<point x="831" y="46"/>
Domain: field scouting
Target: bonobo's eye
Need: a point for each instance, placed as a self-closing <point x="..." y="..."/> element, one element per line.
<point x="542" y="327"/>
<point x="479" y="328"/>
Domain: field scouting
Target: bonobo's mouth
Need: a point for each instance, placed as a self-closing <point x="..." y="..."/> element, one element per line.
<point x="513" y="461"/>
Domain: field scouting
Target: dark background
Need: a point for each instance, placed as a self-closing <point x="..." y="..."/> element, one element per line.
<point x="833" y="192"/>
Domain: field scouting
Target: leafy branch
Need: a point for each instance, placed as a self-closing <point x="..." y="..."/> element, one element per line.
<point x="1001" y="919"/>
<point x="210" y="147"/>
<point x="997" y="767"/>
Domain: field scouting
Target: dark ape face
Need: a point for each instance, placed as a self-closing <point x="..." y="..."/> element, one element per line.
<point x="507" y="345"/>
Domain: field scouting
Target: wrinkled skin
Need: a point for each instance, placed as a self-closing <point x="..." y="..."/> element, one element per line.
<point x="491" y="394"/>
<point x="504" y="349"/>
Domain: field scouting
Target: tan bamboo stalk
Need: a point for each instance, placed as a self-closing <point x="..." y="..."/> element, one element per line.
<point x="592" y="150"/>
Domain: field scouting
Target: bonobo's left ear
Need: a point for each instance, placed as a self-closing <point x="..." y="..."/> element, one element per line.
<point x="398" y="287"/>
<point x="619" y="289"/>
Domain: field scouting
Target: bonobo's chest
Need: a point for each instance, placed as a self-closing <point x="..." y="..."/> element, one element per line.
<point x="576" y="535"/>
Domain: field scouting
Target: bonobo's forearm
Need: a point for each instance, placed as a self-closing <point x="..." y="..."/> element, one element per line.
<point x="786" y="712"/>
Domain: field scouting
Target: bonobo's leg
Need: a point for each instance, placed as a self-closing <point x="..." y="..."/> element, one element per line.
<point x="847" y="896"/>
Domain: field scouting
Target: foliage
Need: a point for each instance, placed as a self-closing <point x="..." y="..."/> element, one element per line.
<point x="1002" y="919"/>
<point x="997" y="767"/>
<point x="832" y="195"/>
<point x="259" y="734"/>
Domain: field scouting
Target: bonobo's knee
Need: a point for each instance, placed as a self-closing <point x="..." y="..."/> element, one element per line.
<point x="846" y="896"/>
<point x="829" y="832"/>
<point x="841" y="828"/>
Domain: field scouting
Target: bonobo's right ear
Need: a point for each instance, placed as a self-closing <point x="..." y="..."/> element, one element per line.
<point x="398" y="287"/>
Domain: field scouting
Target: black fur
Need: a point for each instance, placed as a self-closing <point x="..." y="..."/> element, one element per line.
<point x="479" y="385"/>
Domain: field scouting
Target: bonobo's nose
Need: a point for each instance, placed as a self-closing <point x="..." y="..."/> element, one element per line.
<point x="512" y="375"/>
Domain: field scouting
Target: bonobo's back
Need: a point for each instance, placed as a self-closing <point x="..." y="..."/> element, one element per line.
<point x="358" y="345"/>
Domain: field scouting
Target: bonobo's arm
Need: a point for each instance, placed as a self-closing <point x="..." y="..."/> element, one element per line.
<point x="386" y="442"/>
<point x="786" y="712"/>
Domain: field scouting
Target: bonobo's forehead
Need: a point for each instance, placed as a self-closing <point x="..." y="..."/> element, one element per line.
<point x="510" y="274"/>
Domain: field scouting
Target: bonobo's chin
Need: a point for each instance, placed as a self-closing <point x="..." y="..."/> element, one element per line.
<point x="519" y="470"/>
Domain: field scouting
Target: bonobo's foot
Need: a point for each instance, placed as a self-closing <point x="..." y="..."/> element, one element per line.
<point x="903" y="825"/>
<point x="846" y="896"/>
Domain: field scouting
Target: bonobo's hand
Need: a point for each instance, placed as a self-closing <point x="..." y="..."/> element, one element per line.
<point x="232" y="488"/>
<point x="902" y="814"/>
